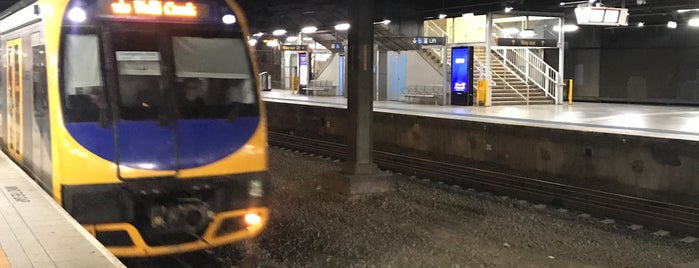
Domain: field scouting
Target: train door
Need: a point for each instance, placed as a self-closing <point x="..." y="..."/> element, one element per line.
<point x="13" y="73"/>
<point x="146" y="144"/>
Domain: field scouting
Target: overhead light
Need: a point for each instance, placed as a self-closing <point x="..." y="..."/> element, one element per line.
<point x="566" y="28"/>
<point x="259" y="34"/>
<point x="384" y="22"/>
<point x="672" y="24"/>
<point x="292" y="38"/>
<point x="694" y="22"/>
<point x="687" y="10"/>
<point x="508" y="9"/>
<point x="229" y="19"/>
<point x="307" y="39"/>
<point x="441" y="16"/>
<point x="309" y="29"/>
<point x="510" y="31"/>
<point x="468" y="16"/>
<point x="77" y="14"/>
<point x="342" y="27"/>
<point x="252" y="42"/>
<point x="272" y="43"/>
<point x="527" y="33"/>
<point x="279" y="32"/>
<point x="641" y="24"/>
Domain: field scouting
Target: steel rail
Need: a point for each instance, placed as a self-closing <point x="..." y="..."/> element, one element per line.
<point x="650" y="213"/>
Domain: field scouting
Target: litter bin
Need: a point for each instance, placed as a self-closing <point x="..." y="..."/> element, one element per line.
<point x="265" y="81"/>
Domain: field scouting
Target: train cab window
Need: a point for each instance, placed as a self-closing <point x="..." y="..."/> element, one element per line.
<point x="84" y="93"/>
<point x="213" y="78"/>
<point x="139" y="76"/>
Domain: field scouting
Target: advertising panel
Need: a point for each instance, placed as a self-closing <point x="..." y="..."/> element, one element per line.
<point x="303" y="69"/>
<point x="462" y="76"/>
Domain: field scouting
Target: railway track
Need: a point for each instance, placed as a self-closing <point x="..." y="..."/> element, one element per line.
<point x="650" y="213"/>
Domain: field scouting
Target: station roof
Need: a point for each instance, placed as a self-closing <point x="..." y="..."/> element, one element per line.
<point x="266" y="15"/>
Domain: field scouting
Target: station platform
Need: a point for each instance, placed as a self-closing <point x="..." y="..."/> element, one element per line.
<point x="666" y="122"/>
<point x="36" y="232"/>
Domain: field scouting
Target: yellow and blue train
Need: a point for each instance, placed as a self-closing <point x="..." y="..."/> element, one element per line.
<point x="142" y="118"/>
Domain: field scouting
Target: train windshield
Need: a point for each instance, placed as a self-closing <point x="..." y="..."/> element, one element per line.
<point x="210" y="77"/>
<point x="158" y="75"/>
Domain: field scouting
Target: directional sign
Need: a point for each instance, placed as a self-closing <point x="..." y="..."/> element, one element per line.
<point x="337" y="47"/>
<point x="427" y="40"/>
<point x="295" y="47"/>
<point x="517" y="42"/>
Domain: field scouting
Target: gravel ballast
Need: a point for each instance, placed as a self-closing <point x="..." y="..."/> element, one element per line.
<point x="426" y="224"/>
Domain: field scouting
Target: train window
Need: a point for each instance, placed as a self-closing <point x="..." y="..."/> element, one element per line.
<point x="41" y="101"/>
<point x="85" y="99"/>
<point x="213" y="78"/>
<point x="140" y="76"/>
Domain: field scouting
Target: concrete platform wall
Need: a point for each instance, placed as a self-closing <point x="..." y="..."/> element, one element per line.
<point x="660" y="169"/>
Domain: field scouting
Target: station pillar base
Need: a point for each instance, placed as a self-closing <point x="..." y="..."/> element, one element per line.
<point x="360" y="184"/>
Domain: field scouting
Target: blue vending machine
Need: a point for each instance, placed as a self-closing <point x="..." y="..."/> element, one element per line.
<point x="462" y="76"/>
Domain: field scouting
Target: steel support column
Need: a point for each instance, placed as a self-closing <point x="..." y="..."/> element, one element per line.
<point x="359" y="174"/>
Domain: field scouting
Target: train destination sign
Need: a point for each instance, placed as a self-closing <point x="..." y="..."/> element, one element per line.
<point x="155" y="8"/>
<point x="518" y="42"/>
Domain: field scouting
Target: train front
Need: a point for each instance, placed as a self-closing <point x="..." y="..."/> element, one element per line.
<point x="159" y="146"/>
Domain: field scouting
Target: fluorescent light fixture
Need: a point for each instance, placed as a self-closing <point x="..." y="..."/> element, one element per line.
<point x="384" y="22"/>
<point x="611" y="16"/>
<point x="252" y="42"/>
<point x="279" y="32"/>
<point x="687" y="10"/>
<point x="641" y="24"/>
<point x="510" y="31"/>
<point x="342" y="27"/>
<point x="272" y="43"/>
<point x="259" y="34"/>
<point x="308" y="39"/>
<point x="527" y="33"/>
<point x="77" y="14"/>
<point x="309" y="29"/>
<point x="229" y="19"/>
<point x="694" y="22"/>
<point x="292" y="38"/>
<point x="566" y="28"/>
<point x="442" y="16"/>
<point x="672" y="24"/>
<point x="508" y="9"/>
<point x="468" y="16"/>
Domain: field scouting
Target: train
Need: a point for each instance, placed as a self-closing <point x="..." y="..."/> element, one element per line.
<point x="141" y="118"/>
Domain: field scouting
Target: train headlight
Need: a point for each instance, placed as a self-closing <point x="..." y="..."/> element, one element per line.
<point x="256" y="188"/>
<point x="253" y="219"/>
<point x="77" y="14"/>
<point x="229" y="19"/>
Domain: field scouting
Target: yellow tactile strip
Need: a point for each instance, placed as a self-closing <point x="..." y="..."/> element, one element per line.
<point x="4" y="262"/>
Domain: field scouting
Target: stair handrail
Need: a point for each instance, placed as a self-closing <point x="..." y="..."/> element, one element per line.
<point x="431" y="26"/>
<point x="481" y="68"/>
<point x="536" y="69"/>
<point x="532" y="67"/>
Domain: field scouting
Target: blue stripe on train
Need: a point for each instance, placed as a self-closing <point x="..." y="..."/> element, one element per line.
<point x="145" y="145"/>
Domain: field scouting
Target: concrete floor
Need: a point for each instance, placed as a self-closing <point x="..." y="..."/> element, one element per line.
<point x="670" y="122"/>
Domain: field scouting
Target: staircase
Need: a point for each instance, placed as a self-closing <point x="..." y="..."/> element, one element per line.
<point x="508" y="86"/>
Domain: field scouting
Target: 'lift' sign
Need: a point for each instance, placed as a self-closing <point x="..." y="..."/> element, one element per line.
<point x="155" y="8"/>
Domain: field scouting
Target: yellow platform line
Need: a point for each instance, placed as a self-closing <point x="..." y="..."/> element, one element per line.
<point x="4" y="262"/>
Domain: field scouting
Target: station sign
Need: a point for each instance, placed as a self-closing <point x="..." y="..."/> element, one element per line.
<point x="519" y="42"/>
<point x="294" y="47"/>
<point x="337" y="47"/>
<point x="427" y="40"/>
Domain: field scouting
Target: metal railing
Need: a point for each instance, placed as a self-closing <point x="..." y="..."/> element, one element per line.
<point x="480" y="66"/>
<point x="532" y="67"/>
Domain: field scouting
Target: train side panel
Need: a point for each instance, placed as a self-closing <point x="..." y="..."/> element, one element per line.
<point x="31" y="142"/>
